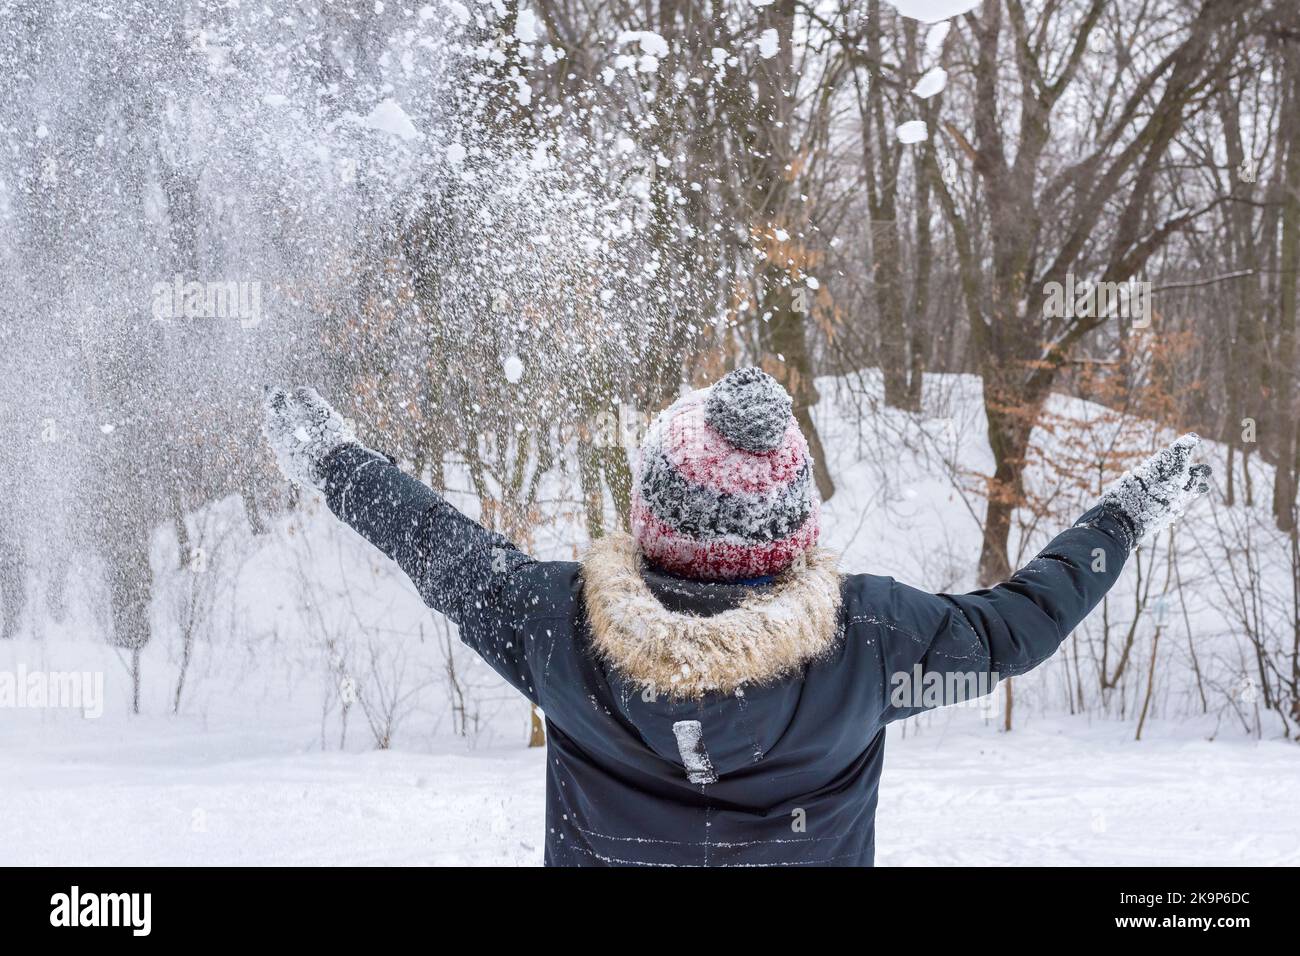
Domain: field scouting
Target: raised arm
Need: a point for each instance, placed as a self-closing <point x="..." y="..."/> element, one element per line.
<point x="1009" y="629"/>
<point x="471" y="575"/>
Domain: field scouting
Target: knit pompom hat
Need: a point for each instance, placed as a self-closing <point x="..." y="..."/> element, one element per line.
<point x="723" y="485"/>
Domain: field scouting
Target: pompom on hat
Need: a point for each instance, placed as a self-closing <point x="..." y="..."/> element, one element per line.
<point x="723" y="486"/>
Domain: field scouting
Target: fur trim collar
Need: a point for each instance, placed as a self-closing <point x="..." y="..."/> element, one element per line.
<point x="768" y="635"/>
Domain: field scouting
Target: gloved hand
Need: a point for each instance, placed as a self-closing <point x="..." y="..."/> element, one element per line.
<point x="303" y="429"/>
<point x="1156" y="493"/>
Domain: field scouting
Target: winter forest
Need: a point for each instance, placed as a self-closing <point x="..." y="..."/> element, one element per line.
<point x="998" y="252"/>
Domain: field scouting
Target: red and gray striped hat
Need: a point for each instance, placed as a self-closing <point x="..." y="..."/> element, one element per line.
<point x="724" y="488"/>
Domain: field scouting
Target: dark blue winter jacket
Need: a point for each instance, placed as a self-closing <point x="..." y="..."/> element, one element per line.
<point x="719" y="725"/>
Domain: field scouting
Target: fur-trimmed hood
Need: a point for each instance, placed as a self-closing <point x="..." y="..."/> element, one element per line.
<point x="765" y="636"/>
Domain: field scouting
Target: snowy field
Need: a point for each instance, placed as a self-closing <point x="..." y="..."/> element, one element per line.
<point x="259" y="765"/>
<point x="1055" y="793"/>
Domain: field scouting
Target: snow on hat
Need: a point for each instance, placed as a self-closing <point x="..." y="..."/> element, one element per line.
<point x="724" y="487"/>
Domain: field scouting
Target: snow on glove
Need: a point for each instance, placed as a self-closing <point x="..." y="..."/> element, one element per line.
<point x="1155" y="494"/>
<point x="303" y="429"/>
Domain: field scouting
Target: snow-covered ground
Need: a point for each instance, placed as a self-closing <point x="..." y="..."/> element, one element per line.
<point x="958" y="793"/>
<point x="258" y="765"/>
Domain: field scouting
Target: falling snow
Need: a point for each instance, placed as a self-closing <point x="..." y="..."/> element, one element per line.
<point x="913" y="131"/>
<point x="932" y="83"/>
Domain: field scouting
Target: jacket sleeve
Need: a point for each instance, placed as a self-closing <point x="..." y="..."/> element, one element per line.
<point x="471" y="575"/>
<point x="939" y="649"/>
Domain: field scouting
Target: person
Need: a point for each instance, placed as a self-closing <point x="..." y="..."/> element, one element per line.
<point x="716" y="690"/>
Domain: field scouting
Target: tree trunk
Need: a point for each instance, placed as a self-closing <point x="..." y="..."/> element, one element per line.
<point x="1010" y="423"/>
<point x="881" y="161"/>
<point x="593" y="496"/>
<point x="13" y="583"/>
<point x="618" y="477"/>
<point x="1283" y="378"/>
<point x="135" y="680"/>
<point x="921" y="280"/>
<point x="783" y="329"/>
<point x="887" y="279"/>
